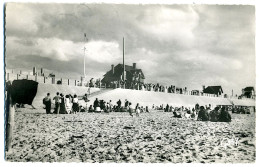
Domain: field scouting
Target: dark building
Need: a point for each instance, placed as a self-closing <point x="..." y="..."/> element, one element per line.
<point x="248" y="92"/>
<point x="114" y="76"/>
<point x="217" y="90"/>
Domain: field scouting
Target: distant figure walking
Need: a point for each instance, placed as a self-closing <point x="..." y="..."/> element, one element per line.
<point x="47" y="102"/>
<point x="57" y="100"/>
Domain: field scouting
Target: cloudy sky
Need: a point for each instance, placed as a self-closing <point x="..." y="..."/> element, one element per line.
<point x="182" y="45"/>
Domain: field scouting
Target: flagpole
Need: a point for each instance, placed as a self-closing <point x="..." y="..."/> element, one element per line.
<point x="124" y="62"/>
<point x="85" y="54"/>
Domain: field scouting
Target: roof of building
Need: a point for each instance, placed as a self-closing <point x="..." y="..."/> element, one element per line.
<point x="213" y="90"/>
<point x="118" y="69"/>
<point x="249" y="89"/>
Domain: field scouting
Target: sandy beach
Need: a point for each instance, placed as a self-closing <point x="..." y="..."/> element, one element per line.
<point x="116" y="137"/>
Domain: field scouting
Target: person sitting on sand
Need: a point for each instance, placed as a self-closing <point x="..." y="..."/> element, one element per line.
<point x="68" y="104"/>
<point x="176" y="114"/>
<point x="85" y="97"/>
<point x="193" y="113"/>
<point x="214" y="115"/>
<point x="91" y="109"/>
<point x="47" y="102"/>
<point x="224" y="115"/>
<point x="203" y="114"/>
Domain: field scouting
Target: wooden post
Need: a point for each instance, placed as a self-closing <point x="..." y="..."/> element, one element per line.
<point x="36" y="77"/>
<point x="68" y="81"/>
<point x="75" y="82"/>
<point x="27" y="77"/>
<point x="17" y="76"/>
<point x="7" y="76"/>
<point x="10" y="111"/>
<point x="43" y="79"/>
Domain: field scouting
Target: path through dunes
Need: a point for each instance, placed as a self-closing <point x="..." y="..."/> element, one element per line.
<point x="148" y="98"/>
<point x="43" y="89"/>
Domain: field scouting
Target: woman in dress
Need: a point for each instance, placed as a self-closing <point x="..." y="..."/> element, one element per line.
<point x="62" y="105"/>
<point x="137" y="110"/>
<point x="68" y="104"/>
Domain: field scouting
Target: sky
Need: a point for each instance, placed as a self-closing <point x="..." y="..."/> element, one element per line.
<point x="182" y="45"/>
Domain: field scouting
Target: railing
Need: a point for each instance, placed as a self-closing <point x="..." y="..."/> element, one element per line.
<point x="50" y="80"/>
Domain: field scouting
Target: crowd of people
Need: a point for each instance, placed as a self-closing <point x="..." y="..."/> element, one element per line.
<point x="200" y="113"/>
<point x="64" y="104"/>
<point x="102" y="106"/>
<point x="69" y="104"/>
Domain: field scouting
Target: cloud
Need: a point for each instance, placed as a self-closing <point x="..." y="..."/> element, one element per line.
<point x="184" y="45"/>
<point x="169" y="24"/>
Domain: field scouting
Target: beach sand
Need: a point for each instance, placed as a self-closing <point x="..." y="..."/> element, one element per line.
<point x="117" y="137"/>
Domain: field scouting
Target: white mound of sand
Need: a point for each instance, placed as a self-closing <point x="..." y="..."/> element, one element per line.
<point x="148" y="98"/>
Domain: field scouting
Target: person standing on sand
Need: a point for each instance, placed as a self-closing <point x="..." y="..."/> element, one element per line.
<point x="75" y="104"/>
<point x="137" y="110"/>
<point x="57" y="103"/>
<point x="47" y="102"/>
<point x="95" y="103"/>
<point x="68" y="104"/>
<point x="62" y="105"/>
<point x="118" y="105"/>
<point x="130" y="109"/>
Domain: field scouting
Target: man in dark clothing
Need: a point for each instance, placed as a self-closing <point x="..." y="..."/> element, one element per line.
<point x="126" y="103"/>
<point x="118" y="105"/>
<point x="95" y="104"/>
<point x="167" y="108"/>
<point x="224" y="115"/>
<point x="47" y="102"/>
<point x="203" y="114"/>
<point x="57" y="100"/>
